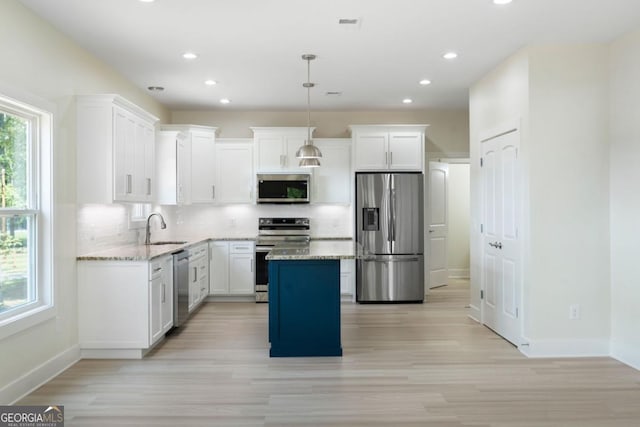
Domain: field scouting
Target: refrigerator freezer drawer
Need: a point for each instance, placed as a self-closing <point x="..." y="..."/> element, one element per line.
<point x="390" y="278"/>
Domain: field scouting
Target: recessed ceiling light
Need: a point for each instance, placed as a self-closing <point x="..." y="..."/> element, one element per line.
<point x="210" y="82"/>
<point x="407" y="101"/>
<point x="155" y="88"/>
<point x="147" y="1"/>
<point x="225" y="101"/>
<point x="189" y="55"/>
<point x="425" y="82"/>
<point x="450" y="55"/>
<point x="502" y="1"/>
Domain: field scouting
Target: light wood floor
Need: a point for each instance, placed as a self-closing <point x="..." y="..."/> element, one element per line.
<point x="403" y="365"/>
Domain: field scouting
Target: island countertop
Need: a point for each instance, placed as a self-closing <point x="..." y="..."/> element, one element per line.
<point x="315" y="249"/>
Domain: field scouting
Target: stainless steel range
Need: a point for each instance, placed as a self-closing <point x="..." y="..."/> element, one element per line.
<point x="272" y="231"/>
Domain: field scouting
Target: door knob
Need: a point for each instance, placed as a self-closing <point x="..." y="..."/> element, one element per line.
<point x="430" y="231"/>
<point x="497" y="245"/>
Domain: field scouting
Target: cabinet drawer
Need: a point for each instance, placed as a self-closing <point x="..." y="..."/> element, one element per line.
<point x="241" y="247"/>
<point x="155" y="268"/>
<point x="198" y="251"/>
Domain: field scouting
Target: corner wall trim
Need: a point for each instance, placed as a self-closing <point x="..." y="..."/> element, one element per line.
<point x="39" y="375"/>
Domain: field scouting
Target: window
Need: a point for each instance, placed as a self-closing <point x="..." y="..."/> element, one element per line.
<point x="138" y="213"/>
<point x="25" y="278"/>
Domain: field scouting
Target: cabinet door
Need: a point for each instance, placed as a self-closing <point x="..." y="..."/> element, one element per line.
<point x="234" y="173"/>
<point x="271" y="153"/>
<point x="347" y="277"/>
<point x="183" y="173"/>
<point x="149" y="137"/>
<point x="142" y="162"/>
<point x="167" y="294"/>
<point x="371" y="151"/>
<point x="241" y="280"/>
<point x="124" y="129"/>
<point x="405" y="151"/>
<point x="203" y="173"/>
<point x="293" y="143"/>
<point x="219" y="268"/>
<point x="155" y="306"/>
<point x="332" y="181"/>
<point x="203" y="279"/>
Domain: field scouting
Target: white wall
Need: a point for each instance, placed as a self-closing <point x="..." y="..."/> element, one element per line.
<point x="569" y="196"/>
<point x="458" y="254"/>
<point x="625" y="198"/>
<point x="39" y="61"/>
<point x="559" y="94"/>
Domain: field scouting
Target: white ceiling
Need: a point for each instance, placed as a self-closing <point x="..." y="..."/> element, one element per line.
<point x="253" y="48"/>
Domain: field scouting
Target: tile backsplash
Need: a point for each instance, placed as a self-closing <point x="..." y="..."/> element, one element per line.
<point x="107" y="226"/>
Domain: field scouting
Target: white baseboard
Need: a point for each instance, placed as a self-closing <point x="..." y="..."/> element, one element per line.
<point x="626" y="354"/>
<point x="33" y="379"/>
<point x="459" y="273"/>
<point x="474" y="313"/>
<point x="565" y="348"/>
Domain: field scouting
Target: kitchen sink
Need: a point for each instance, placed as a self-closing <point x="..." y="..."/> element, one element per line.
<point x="169" y="242"/>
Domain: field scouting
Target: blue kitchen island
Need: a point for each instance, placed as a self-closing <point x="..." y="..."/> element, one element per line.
<point x="304" y="298"/>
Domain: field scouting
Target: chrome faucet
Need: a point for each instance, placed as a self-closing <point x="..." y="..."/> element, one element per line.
<point x="163" y="225"/>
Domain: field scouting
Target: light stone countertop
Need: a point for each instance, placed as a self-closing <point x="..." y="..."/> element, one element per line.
<point x="315" y="250"/>
<point x="145" y="253"/>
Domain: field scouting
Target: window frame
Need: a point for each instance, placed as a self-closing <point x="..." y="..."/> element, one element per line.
<point x="39" y="206"/>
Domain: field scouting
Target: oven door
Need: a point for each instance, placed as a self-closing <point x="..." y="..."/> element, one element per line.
<point x="262" y="273"/>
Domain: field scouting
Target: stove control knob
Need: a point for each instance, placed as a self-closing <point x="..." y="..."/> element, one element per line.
<point x="298" y="221"/>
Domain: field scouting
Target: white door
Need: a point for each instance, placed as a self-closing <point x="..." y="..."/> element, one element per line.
<point x="501" y="259"/>
<point x="438" y="224"/>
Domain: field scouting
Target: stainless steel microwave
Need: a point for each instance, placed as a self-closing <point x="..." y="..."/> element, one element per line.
<point x="283" y="188"/>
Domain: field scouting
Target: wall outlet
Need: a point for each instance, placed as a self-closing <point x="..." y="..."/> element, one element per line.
<point x="574" y="311"/>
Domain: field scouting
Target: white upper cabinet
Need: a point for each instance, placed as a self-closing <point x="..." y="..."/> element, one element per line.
<point x="115" y="150"/>
<point x="173" y="168"/>
<point x="275" y="148"/>
<point x="234" y="171"/>
<point x="388" y="147"/>
<point x="331" y="182"/>
<point x="186" y="164"/>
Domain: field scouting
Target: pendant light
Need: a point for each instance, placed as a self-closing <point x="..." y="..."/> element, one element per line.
<point x="308" y="153"/>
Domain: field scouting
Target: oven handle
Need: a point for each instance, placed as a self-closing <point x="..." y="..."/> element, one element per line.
<point x="264" y="248"/>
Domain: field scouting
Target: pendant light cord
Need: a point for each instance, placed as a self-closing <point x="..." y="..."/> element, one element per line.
<point x="308" y="100"/>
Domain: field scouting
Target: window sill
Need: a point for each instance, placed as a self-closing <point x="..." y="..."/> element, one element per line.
<point x="26" y="320"/>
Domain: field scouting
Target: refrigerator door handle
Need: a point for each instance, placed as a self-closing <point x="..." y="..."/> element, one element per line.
<point x="393" y="215"/>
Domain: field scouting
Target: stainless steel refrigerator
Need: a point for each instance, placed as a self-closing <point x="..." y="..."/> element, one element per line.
<point x="390" y="228"/>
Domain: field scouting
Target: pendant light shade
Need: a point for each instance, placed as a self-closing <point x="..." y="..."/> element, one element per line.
<point x="308" y="153"/>
<point x="309" y="163"/>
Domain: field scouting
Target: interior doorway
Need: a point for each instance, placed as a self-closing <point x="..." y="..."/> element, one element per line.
<point x="448" y="253"/>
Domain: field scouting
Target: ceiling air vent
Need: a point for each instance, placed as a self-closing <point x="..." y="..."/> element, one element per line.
<point x="333" y="93"/>
<point x="350" y="23"/>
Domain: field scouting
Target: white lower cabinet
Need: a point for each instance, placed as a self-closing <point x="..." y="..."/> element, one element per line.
<point x="198" y="275"/>
<point x="161" y="301"/>
<point x="232" y="268"/>
<point x="347" y="277"/>
<point x="125" y="307"/>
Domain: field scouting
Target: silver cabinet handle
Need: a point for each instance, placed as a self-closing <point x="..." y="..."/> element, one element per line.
<point x="163" y="292"/>
<point x="129" y="182"/>
<point x="195" y="274"/>
<point x="386" y="158"/>
<point x="213" y="192"/>
<point x="155" y="270"/>
<point x="148" y="186"/>
<point x="390" y="158"/>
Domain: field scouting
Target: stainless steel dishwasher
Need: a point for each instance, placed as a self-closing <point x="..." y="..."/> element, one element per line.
<point x="180" y="287"/>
